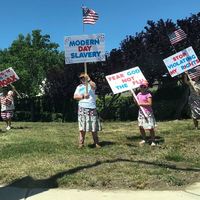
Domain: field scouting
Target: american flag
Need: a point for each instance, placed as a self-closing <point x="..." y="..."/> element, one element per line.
<point x="194" y="72"/>
<point x="89" y="16"/>
<point x="177" y="36"/>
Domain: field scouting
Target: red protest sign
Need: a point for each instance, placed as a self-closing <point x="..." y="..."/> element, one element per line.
<point x="7" y="77"/>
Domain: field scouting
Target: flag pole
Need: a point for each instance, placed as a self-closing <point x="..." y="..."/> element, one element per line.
<point x="190" y="80"/>
<point x="15" y="90"/>
<point x="136" y="99"/>
<point x="85" y="64"/>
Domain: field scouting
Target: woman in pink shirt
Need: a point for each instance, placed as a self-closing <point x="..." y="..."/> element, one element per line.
<point x="146" y="121"/>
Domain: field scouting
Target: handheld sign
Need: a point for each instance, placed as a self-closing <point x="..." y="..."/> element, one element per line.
<point x="181" y="61"/>
<point x="7" y="77"/>
<point x="84" y="48"/>
<point x="125" y="80"/>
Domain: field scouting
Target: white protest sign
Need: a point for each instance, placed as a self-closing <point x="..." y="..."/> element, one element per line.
<point x="7" y="77"/>
<point x="181" y="61"/>
<point x="84" y="48"/>
<point x="125" y="80"/>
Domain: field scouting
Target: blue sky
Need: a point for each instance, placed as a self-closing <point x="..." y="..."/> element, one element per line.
<point x="60" y="18"/>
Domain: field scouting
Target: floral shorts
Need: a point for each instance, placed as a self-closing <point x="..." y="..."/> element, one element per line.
<point x="88" y="120"/>
<point x="146" y="122"/>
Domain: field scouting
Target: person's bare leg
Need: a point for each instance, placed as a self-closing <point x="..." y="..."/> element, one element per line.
<point x="196" y="124"/>
<point x="81" y="138"/>
<point x="152" y="135"/>
<point x="96" y="139"/>
<point x="143" y="134"/>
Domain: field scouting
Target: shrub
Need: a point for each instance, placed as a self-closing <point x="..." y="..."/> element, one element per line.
<point x="45" y="117"/>
<point x="57" y="117"/>
<point x="22" y="116"/>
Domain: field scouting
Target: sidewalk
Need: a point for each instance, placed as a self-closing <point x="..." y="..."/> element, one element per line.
<point x="13" y="193"/>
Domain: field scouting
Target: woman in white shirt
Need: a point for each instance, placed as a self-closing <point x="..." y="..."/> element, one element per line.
<point x="87" y="113"/>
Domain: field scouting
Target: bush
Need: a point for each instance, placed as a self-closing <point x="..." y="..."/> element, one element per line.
<point x="57" y="117"/>
<point x="46" y="117"/>
<point x="43" y="117"/>
<point x="22" y="116"/>
<point x="164" y="109"/>
<point x="165" y="104"/>
<point x="126" y="109"/>
<point x="107" y="113"/>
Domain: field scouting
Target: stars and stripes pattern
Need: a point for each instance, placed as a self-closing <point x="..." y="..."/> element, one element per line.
<point x="194" y="72"/>
<point x="177" y="36"/>
<point x="89" y="16"/>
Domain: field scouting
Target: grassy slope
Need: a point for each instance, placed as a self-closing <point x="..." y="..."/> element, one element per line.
<point x="46" y="155"/>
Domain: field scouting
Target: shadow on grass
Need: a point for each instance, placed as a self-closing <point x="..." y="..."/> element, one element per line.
<point x="14" y="128"/>
<point x="102" y="144"/>
<point x="21" y="127"/>
<point x="158" y="139"/>
<point x="34" y="187"/>
<point x="3" y="131"/>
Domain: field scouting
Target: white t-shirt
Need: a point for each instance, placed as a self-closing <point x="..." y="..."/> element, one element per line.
<point x="86" y="103"/>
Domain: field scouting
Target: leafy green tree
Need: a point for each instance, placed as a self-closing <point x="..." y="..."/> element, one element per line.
<point x="32" y="56"/>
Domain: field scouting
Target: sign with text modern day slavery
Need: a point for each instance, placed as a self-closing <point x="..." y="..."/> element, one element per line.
<point x="181" y="61"/>
<point x="84" y="48"/>
<point x="7" y="77"/>
<point x="125" y="80"/>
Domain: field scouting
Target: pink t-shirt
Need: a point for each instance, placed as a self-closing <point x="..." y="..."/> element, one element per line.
<point x="143" y="98"/>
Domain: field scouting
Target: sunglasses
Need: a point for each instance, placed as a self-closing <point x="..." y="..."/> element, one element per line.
<point x="143" y="86"/>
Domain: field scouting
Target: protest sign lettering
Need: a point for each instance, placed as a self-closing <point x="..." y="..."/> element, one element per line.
<point x="84" y="48"/>
<point x="181" y="61"/>
<point x="125" y="80"/>
<point x="7" y="77"/>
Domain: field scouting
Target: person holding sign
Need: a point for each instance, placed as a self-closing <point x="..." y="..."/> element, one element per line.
<point x="7" y="106"/>
<point x="146" y="121"/>
<point x="87" y="113"/>
<point x="194" y="98"/>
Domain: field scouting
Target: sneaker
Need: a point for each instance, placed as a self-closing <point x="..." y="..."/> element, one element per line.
<point x="98" y="146"/>
<point x="8" y="128"/>
<point x="142" y="142"/>
<point x="153" y="144"/>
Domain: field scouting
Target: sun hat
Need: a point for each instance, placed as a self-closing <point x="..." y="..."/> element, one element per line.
<point x="82" y="75"/>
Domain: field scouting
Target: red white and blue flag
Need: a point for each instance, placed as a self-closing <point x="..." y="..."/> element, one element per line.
<point x="194" y="72"/>
<point x="89" y="16"/>
<point x="177" y="36"/>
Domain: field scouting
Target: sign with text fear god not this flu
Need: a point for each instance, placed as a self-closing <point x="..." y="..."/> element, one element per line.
<point x="181" y="61"/>
<point x="7" y="77"/>
<point x="125" y="80"/>
<point x="84" y="48"/>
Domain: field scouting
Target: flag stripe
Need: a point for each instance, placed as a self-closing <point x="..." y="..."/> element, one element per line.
<point x="177" y="36"/>
<point x="194" y="72"/>
<point x="89" y="16"/>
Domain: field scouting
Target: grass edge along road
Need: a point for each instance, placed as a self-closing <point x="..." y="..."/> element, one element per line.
<point x="46" y="155"/>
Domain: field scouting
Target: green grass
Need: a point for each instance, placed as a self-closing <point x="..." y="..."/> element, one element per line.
<point x="46" y="155"/>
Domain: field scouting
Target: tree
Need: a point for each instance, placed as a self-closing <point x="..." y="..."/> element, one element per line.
<point x="148" y="49"/>
<point x="31" y="57"/>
